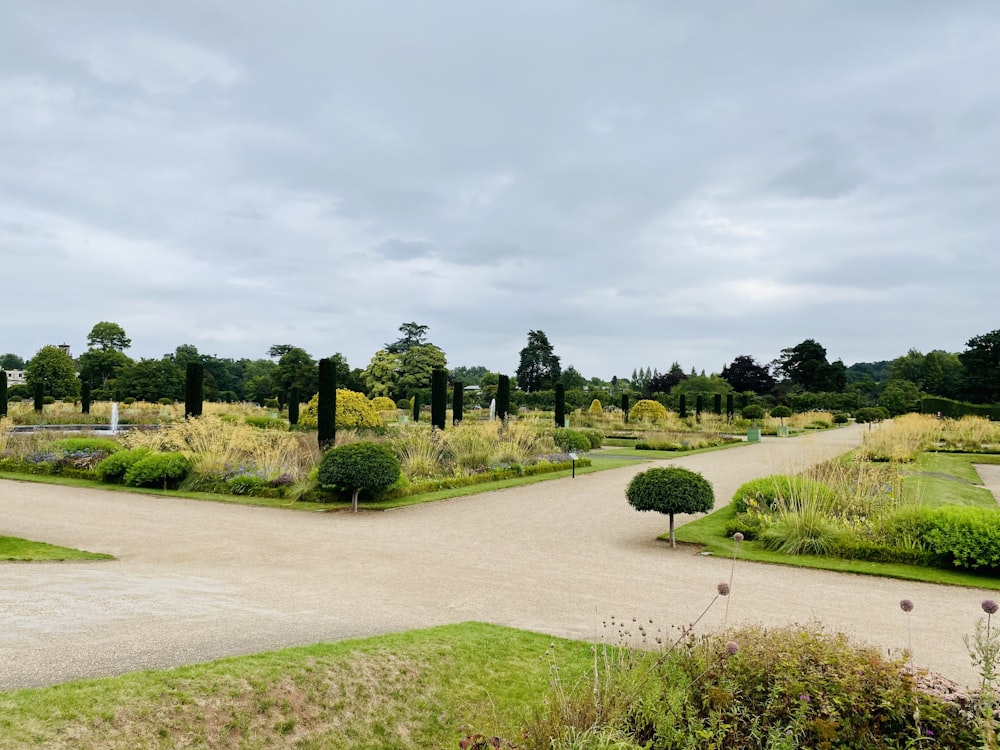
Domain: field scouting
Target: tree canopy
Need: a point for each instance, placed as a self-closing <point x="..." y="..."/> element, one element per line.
<point x="981" y="360"/>
<point x="539" y="366"/>
<point x="108" y="337"/>
<point x="669" y="491"/>
<point x="745" y="374"/>
<point x="55" y="371"/>
<point x="805" y="366"/>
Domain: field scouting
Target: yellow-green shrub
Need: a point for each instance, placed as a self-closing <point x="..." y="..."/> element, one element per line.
<point x="646" y="409"/>
<point x="354" y="411"/>
<point x="382" y="403"/>
<point x="595" y="407"/>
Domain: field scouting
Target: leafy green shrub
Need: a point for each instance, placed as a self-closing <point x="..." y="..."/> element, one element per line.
<point x="113" y="468"/>
<point x="748" y="524"/>
<point x="359" y="467"/>
<point x="841" y="418"/>
<point x="48" y="400"/>
<point x="85" y="445"/>
<point x="649" y="410"/>
<point x="781" y="412"/>
<point x="384" y="403"/>
<point x="128" y="401"/>
<point x="354" y="411"/>
<point x="165" y="470"/>
<point x="405" y="404"/>
<point x="753" y="412"/>
<point x="571" y="440"/>
<point x="766" y="493"/>
<point x="871" y="414"/>
<point x="965" y="537"/>
<point x="266" y="423"/>
<point x="595" y="436"/>
<point x="819" y="424"/>
<point x="165" y="401"/>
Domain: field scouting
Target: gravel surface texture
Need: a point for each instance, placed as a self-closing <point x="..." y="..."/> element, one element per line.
<point x="199" y="580"/>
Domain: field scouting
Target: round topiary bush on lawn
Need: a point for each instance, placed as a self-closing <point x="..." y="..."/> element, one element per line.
<point x="166" y="470"/>
<point x="781" y="412"/>
<point x="841" y="418"/>
<point x="358" y="467"/>
<point x="670" y="490"/>
<point x="649" y="410"/>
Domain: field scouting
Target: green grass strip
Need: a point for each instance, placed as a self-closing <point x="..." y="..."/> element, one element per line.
<point x="406" y="691"/>
<point x="24" y="550"/>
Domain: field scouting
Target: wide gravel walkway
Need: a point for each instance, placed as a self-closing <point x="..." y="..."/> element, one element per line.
<point x="199" y="580"/>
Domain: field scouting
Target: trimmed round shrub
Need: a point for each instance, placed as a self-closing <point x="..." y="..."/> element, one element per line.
<point x="384" y="403"/>
<point x="405" y="404"/>
<point x="753" y="412"/>
<point x="165" y="401"/>
<point x="571" y="440"/>
<point x="85" y="445"/>
<point x="649" y="410"/>
<point x="166" y="470"/>
<point x="766" y="493"/>
<point x="128" y="401"/>
<point x="871" y="414"/>
<point x="670" y="490"/>
<point x="841" y="418"/>
<point x="359" y="467"/>
<point x="781" y="412"/>
<point x="354" y="411"/>
<point x="113" y="468"/>
<point x="48" y="400"/>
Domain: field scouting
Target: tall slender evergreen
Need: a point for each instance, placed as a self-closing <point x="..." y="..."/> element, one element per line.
<point x="293" y="405"/>
<point x="717" y="403"/>
<point x="85" y="397"/>
<point x="730" y="410"/>
<point x="39" y="397"/>
<point x="625" y="407"/>
<point x="439" y="398"/>
<point x="457" y="402"/>
<point x="194" y="389"/>
<point x="699" y="402"/>
<point x="3" y="393"/>
<point x="560" y="405"/>
<point x="416" y="407"/>
<point x="503" y="397"/>
<point x="326" y="406"/>
<point x="683" y="409"/>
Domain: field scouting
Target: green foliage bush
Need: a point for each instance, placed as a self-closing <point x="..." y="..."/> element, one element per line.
<point x="113" y="468"/>
<point x="354" y="411"/>
<point x="165" y="401"/>
<point x="841" y="418"/>
<point x="766" y="493"/>
<point x="362" y="467"/>
<point x="128" y="401"/>
<point x="384" y="403"/>
<point x="871" y="414"/>
<point x="965" y="537"/>
<point x="85" y="445"/>
<point x="781" y="412"/>
<point x="595" y="436"/>
<point x="165" y="470"/>
<point x="400" y="489"/>
<point x="47" y="400"/>
<point x="570" y="440"/>
<point x="266" y="423"/>
<point x="753" y="412"/>
<point x="649" y="410"/>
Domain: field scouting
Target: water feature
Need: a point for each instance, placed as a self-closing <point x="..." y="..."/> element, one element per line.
<point x="114" y="418"/>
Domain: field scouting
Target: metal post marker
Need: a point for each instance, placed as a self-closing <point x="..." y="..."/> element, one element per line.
<point x="573" y="456"/>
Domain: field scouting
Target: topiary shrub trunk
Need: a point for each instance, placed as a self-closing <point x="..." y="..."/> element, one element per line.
<point x="625" y="407"/>
<point x="326" y="404"/>
<point x="439" y="398"/>
<point x="85" y="397"/>
<point x="194" y="389"/>
<point x="39" y="397"/>
<point x="3" y="393"/>
<point x="503" y="397"/>
<point x="293" y="406"/>
<point x="457" y="402"/>
<point x="560" y="405"/>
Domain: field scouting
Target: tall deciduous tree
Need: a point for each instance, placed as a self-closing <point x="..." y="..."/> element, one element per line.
<point x="805" y="365"/>
<point x="539" y="366"/>
<point x="413" y="334"/>
<point x="150" y="380"/>
<point x="54" y="371"/>
<point x="11" y="361"/>
<point x="108" y="337"/>
<point x="296" y="369"/>
<point x="745" y="374"/>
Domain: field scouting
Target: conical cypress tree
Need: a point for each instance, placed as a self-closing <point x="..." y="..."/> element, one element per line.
<point x="699" y="402"/>
<point x="326" y="408"/>
<point x="560" y="405"/>
<point x="457" y="402"/>
<point x="3" y="393"/>
<point x="730" y="411"/>
<point x="625" y="407"/>
<point x="503" y="397"/>
<point x="416" y="407"/>
<point x="293" y="405"/>
<point x="39" y="397"/>
<point x="194" y="389"/>
<point x="85" y="397"/>
<point x="683" y="410"/>
<point x="439" y="398"/>
<point x="717" y="403"/>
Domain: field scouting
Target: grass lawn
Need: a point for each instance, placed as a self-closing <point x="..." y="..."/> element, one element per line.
<point x="600" y="463"/>
<point x="935" y="479"/>
<point x="22" y="550"/>
<point x="408" y="690"/>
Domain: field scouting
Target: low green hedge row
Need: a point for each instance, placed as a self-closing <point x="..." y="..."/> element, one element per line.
<point x="494" y="475"/>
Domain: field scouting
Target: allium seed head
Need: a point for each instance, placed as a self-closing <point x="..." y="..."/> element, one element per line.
<point x="723" y="589"/>
<point x="990" y="607"/>
<point x="906" y="605"/>
<point x="732" y="647"/>
<point x="738" y="536"/>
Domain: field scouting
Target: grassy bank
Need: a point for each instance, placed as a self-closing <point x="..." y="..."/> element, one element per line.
<point x="23" y="550"/>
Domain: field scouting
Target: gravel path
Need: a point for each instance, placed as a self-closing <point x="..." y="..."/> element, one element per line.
<point x="198" y="580"/>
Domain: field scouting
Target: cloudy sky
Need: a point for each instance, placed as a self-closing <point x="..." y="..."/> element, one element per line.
<point x="645" y="181"/>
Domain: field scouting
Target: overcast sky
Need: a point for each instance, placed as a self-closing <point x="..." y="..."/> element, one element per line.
<point x="645" y="181"/>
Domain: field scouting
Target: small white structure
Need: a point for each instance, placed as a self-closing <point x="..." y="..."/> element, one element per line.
<point x="15" y="377"/>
